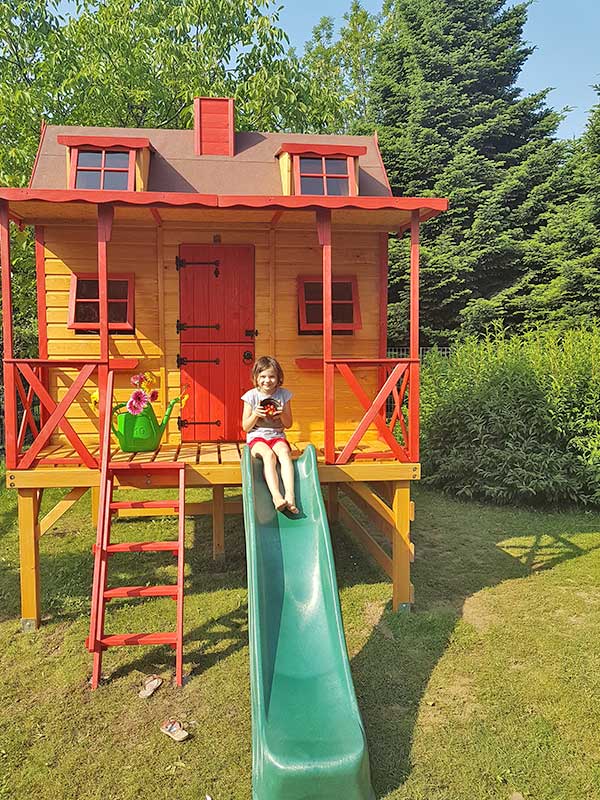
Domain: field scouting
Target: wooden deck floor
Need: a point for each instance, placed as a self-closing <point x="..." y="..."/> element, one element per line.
<point x="209" y="462"/>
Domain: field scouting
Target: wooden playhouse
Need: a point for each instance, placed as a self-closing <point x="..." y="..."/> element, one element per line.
<point x="189" y="253"/>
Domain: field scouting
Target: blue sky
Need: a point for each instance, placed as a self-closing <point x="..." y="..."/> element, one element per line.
<point x="565" y="35"/>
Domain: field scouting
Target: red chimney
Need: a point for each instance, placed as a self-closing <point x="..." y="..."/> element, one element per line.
<point x="214" y="133"/>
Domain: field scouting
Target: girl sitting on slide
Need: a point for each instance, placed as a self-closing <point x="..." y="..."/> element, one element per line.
<point x="267" y="413"/>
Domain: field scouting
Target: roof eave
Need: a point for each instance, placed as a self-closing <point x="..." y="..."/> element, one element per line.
<point x="297" y="202"/>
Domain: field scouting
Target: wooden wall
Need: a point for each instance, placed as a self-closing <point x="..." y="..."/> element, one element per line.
<point x="280" y="255"/>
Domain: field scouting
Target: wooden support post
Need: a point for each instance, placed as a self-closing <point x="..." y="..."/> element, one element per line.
<point x="104" y="230"/>
<point x="10" y="400"/>
<point x="324" y="235"/>
<point x="413" y="385"/>
<point x="332" y="502"/>
<point x="95" y="504"/>
<point x="402" y="592"/>
<point x="218" y="515"/>
<point x="28" y="508"/>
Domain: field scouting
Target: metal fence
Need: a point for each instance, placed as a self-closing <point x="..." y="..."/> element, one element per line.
<point x="404" y="352"/>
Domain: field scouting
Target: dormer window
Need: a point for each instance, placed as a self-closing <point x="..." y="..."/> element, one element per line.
<point x="325" y="170"/>
<point x="105" y="169"/>
<point x="326" y="176"/>
<point x="107" y="163"/>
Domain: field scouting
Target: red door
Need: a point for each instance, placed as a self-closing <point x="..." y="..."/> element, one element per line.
<point x="216" y="336"/>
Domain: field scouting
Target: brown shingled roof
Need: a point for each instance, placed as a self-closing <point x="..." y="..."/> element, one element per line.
<point x="253" y="170"/>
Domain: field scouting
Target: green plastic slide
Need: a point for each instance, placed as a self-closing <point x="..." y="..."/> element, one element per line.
<point x="308" y="739"/>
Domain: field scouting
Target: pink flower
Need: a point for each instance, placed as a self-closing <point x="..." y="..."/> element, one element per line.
<point x="137" y="380"/>
<point x="153" y="395"/>
<point x="137" y="402"/>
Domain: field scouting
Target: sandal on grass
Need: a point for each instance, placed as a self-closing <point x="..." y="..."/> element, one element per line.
<point x="151" y="684"/>
<point x="174" y="729"/>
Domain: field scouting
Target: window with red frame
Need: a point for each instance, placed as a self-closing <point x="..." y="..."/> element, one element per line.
<point x="103" y="169"/>
<point x="345" y="308"/>
<point x="84" y="303"/>
<point x="323" y="175"/>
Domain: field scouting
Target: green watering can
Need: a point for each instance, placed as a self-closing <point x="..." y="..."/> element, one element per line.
<point x="140" y="433"/>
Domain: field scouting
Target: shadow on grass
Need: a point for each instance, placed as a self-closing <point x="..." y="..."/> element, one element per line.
<point x="461" y="548"/>
<point x="214" y="641"/>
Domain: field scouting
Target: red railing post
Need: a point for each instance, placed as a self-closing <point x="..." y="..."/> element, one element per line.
<point x="40" y="274"/>
<point x="10" y="399"/>
<point x="324" y="233"/>
<point x="413" y="384"/>
<point x="105" y="220"/>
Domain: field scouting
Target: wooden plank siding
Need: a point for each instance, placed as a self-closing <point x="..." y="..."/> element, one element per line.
<point x="281" y="254"/>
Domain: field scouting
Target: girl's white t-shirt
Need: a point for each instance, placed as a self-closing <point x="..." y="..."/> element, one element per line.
<point x="267" y="428"/>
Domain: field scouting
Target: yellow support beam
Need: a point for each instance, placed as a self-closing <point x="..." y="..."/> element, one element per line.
<point x="67" y="502"/>
<point x="208" y="475"/>
<point x="29" y="557"/>
<point x="218" y="512"/>
<point x="402" y="549"/>
<point x="363" y="536"/>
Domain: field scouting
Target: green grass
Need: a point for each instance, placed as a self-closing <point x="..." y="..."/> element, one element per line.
<point x="489" y="689"/>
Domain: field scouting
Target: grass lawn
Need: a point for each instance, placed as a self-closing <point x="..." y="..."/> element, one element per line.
<point x="489" y="690"/>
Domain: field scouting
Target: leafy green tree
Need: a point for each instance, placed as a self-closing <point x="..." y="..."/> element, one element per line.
<point x="342" y="65"/>
<point x="138" y="63"/>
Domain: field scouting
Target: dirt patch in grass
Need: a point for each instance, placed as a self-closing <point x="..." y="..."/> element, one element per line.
<point x="477" y="613"/>
<point x="452" y="699"/>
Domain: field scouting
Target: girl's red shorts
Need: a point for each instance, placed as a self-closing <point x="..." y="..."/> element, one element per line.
<point x="269" y="442"/>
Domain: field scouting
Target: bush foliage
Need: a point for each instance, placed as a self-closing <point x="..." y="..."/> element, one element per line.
<point x="515" y="419"/>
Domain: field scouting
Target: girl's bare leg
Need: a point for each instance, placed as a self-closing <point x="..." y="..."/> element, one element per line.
<point x="287" y="474"/>
<point x="269" y="460"/>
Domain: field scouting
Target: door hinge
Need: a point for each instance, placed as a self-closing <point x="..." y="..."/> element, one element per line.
<point x="181" y="360"/>
<point x="183" y="326"/>
<point x="186" y="423"/>
<point x="252" y="333"/>
<point x="180" y="263"/>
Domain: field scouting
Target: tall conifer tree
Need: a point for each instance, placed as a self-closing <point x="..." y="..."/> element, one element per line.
<point x="453" y="122"/>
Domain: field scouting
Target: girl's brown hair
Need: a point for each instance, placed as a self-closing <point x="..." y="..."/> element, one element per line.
<point x="264" y="362"/>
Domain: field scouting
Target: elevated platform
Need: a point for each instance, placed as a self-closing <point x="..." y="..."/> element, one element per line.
<point x="208" y="464"/>
<point x="379" y="488"/>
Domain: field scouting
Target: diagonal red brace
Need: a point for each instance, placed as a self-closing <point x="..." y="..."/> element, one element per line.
<point x="57" y="418"/>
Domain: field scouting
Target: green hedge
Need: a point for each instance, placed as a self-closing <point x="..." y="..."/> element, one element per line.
<point x="515" y="419"/>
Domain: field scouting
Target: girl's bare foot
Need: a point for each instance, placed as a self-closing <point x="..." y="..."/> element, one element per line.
<point x="292" y="507"/>
<point x="280" y="503"/>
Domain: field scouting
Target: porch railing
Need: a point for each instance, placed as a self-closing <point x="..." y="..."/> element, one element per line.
<point x="33" y="415"/>
<point x="393" y="411"/>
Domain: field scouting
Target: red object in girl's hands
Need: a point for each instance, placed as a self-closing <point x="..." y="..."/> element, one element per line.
<point x="269" y="406"/>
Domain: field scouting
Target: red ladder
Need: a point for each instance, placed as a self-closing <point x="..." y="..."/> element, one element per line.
<point x="97" y="641"/>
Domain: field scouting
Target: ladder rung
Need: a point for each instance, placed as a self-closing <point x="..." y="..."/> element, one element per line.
<point x="125" y="639"/>
<point x="144" y="504"/>
<point x="143" y="547"/>
<point x="169" y="590"/>
<point x="119" y="466"/>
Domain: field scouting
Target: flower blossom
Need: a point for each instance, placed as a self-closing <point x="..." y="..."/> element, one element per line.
<point x="137" y="402"/>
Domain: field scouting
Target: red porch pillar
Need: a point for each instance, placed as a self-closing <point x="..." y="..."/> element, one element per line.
<point x="10" y="401"/>
<point x="324" y="233"/>
<point x="413" y="391"/>
<point x="105" y="220"/>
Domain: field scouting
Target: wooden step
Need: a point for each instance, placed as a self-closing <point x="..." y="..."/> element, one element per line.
<point x="126" y="639"/>
<point x="144" y="504"/>
<point x="169" y="590"/>
<point x="142" y="547"/>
